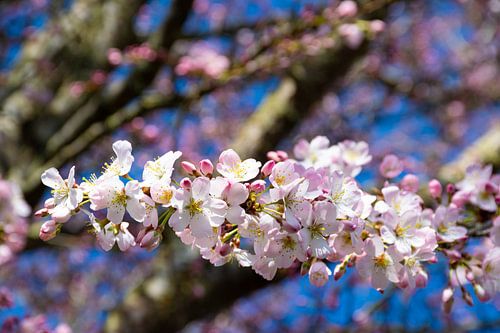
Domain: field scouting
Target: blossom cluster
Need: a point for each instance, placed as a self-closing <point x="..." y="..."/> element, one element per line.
<point x="307" y="209"/>
<point x="202" y="59"/>
<point x="13" y="226"/>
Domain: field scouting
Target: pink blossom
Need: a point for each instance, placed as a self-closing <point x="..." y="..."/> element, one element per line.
<point x="118" y="198"/>
<point x="48" y="230"/>
<point x="65" y="194"/>
<point x="377" y="26"/>
<point x="444" y="221"/>
<point x="234" y="194"/>
<point x="435" y="188"/>
<point x="267" y="168"/>
<point x="197" y="209"/>
<point x="354" y="155"/>
<point x="352" y="34"/>
<point x="319" y="274"/>
<point x="114" y="56"/>
<point x="391" y="166"/>
<point x="347" y="8"/>
<point x="258" y="186"/>
<point x="447" y="299"/>
<point x="111" y="233"/>
<point x="460" y="198"/>
<point x="491" y="269"/>
<point x="231" y="166"/>
<point x="149" y="239"/>
<point x="206" y="167"/>
<point x="320" y="224"/>
<point x="410" y="183"/>
<point x="378" y="265"/>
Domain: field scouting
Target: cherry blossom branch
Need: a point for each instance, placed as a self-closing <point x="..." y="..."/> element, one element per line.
<point x="307" y="210"/>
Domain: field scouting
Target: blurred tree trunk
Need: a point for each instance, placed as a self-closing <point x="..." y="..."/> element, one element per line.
<point x="484" y="150"/>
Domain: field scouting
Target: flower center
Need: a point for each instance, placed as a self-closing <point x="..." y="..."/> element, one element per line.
<point x="336" y="197"/>
<point x="317" y="230"/>
<point x="156" y="169"/>
<point x="166" y="195"/>
<point x="120" y="198"/>
<point x="442" y="229"/>
<point x="288" y="243"/>
<point x="351" y="155"/>
<point x="238" y="170"/>
<point x="347" y="238"/>
<point x="60" y="193"/>
<point x="382" y="261"/>
<point x="400" y="231"/>
<point x="280" y="180"/>
<point x="410" y="262"/>
<point x="194" y="207"/>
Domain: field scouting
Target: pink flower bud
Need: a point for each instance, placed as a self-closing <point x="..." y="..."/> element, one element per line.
<point x="450" y="188"/>
<point x="447" y="299"/>
<point x="453" y="254"/>
<point x="272" y="155"/>
<point x="77" y="88"/>
<point x="447" y="294"/>
<point x="61" y="214"/>
<point x="49" y="203"/>
<point x="42" y="212"/>
<point x="98" y="77"/>
<point x="189" y="167"/>
<point x="377" y="26"/>
<point x="353" y="36"/>
<point x="225" y="249"/>
<point x="48" y="230"/>
<point x="435" y="188"/>
<point x="63" y="328"/>
<point x="391" y="166"/>
<point x="114" y="56"/>
<point x="151" y="133"/>
<point x="421" y="279"/>
<point x="268" y="168"/>
<point x="403" y="283"/>
<point x="347" y="8"/>
<point x="410" y="183"/>
<point x="319" y="274"/>
<point x="186" y="183"/>
<point x="282" y="155"/>
<point x="149" y="239"/>
<point x="460" y="198"/>
<point x="206" y="167"/>
<point x="481" y="294"/>
<point x="258" y="186"/>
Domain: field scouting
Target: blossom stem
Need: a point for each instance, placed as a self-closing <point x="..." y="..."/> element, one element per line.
<point x="229" y="235"/>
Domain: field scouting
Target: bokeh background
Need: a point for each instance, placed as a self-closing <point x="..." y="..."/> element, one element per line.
<point x="420" y="79"/>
